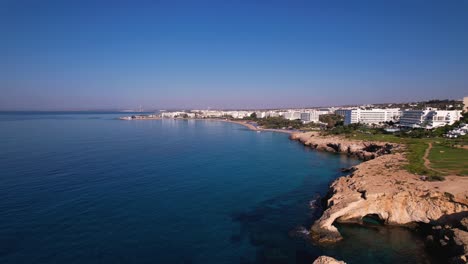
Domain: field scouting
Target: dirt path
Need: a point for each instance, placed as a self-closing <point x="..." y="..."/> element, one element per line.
<point x="427" y="162"/>
<point x="426" y="155"/>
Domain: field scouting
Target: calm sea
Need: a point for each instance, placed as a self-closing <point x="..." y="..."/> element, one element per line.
<point x="87" y="188"/>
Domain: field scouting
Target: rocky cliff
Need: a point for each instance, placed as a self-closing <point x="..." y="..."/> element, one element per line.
<point x="362" y="149"/>
<point x="379" y="188"/>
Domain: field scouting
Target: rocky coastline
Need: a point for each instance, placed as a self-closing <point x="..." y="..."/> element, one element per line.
<point x="357" y="148"/>
<point x="381" y="189"/>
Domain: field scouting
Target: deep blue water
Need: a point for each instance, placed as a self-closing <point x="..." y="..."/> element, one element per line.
<point x="86" y="188"/>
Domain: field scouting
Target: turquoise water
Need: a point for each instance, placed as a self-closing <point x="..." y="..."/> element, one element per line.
<point x="86" y="188"/>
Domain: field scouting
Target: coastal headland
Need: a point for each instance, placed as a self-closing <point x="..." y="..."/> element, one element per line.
<point x="380" y="188"/>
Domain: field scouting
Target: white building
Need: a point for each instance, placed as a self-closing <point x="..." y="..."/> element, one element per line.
<point x="429" y="118"/>
<point x="292" y="115"/>
<point x="312" y="115"/>
<point x="460" y="131"/>
<point x="372" y="116"/>
<point x="465" y="104"/>
<point x="305" y="117"/>
<point x="172" y="114"/>
<point x="341" y="112"/>
<point x="261" y="114"/>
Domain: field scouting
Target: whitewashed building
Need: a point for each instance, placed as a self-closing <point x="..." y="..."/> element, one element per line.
<point x="312" y="115"/>
<point x="292" y="115"/>
<point x="465" y="104"/>
<point x="429" y="118"/>
<point x="371" y="116"/>
<point x="172" y="114"/>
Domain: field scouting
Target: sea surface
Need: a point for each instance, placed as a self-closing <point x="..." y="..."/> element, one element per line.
<point x="87" y="188"/>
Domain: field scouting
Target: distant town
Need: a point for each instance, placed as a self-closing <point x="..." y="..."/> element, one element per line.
<point x="427" y="115"/>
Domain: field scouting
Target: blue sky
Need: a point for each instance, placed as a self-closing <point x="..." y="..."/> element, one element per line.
<point x="229" y="54"/>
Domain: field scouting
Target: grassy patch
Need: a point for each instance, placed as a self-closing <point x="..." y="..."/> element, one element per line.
<point x="376" y="137"/>
<point x="448" y="159"/>
<point x="415" y="149"/>
<point x="444" y="159"/>
<point x="415" y="153"/>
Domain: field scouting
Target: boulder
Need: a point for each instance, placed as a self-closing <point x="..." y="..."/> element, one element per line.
<point x="327" y="260"/>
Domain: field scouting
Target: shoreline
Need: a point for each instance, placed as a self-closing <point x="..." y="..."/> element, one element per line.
<point x="254" y="128"/>
<point x="242" y="123"/>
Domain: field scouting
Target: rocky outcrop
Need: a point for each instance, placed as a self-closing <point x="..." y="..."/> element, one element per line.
<point x="327" y="260"/>
<point x="380" y="189"/>
<point x="451" y="240"/>
<point x="362" y="149"/>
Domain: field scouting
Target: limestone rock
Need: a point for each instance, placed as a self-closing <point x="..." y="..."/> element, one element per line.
<point x="381" y="189"/>
<point x="358" y="148"/>
<point x="327" y="260"/>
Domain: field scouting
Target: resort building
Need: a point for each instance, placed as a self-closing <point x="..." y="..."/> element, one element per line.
<point x="305" y="117"/>
<point x="465" y="104"/>
<point x="172" y="114"/>
<point x="312" y="115"/>
<point x="372" y="116"/>
<point x="272" y="114"/>
<point x="342" y="111"/>
<point x="429" y="118"/>
<point x="292" y="115"/>
<point x="261" y="114"/>
<point x="237" y="114"/>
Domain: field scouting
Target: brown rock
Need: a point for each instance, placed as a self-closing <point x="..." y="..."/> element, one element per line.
<point x="381" y="188"/>
<point x="327" y="260"/>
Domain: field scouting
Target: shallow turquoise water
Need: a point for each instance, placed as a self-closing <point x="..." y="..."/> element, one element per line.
<point x="86" y="188"/>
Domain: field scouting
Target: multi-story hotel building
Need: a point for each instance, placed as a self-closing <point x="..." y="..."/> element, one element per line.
<point x="292" y="115"/>
<point x="429" y="118"/>
<point x="372" y="116"/>
<point x="465" y="104"/>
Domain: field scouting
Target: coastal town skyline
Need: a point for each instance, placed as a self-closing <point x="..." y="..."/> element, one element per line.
<point x="165" y="54"/>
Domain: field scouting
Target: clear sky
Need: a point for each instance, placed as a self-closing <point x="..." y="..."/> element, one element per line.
<point x="229" y="54"/>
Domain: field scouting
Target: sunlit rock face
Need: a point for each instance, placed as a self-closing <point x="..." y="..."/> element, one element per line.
<point x="358" y="148"/>
<point x="380" y="188"/>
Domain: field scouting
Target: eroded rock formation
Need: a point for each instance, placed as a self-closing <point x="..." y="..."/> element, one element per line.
<point x="327" y="260"/>
<point x="382" y="189"/>
<point x="361" y="149"/>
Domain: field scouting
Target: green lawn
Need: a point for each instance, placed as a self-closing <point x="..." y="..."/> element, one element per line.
<point x="376" y="137"/>
<point x="449" y="160"/>
<point x="415" y="148"/>
<point x="444" y="159"/>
